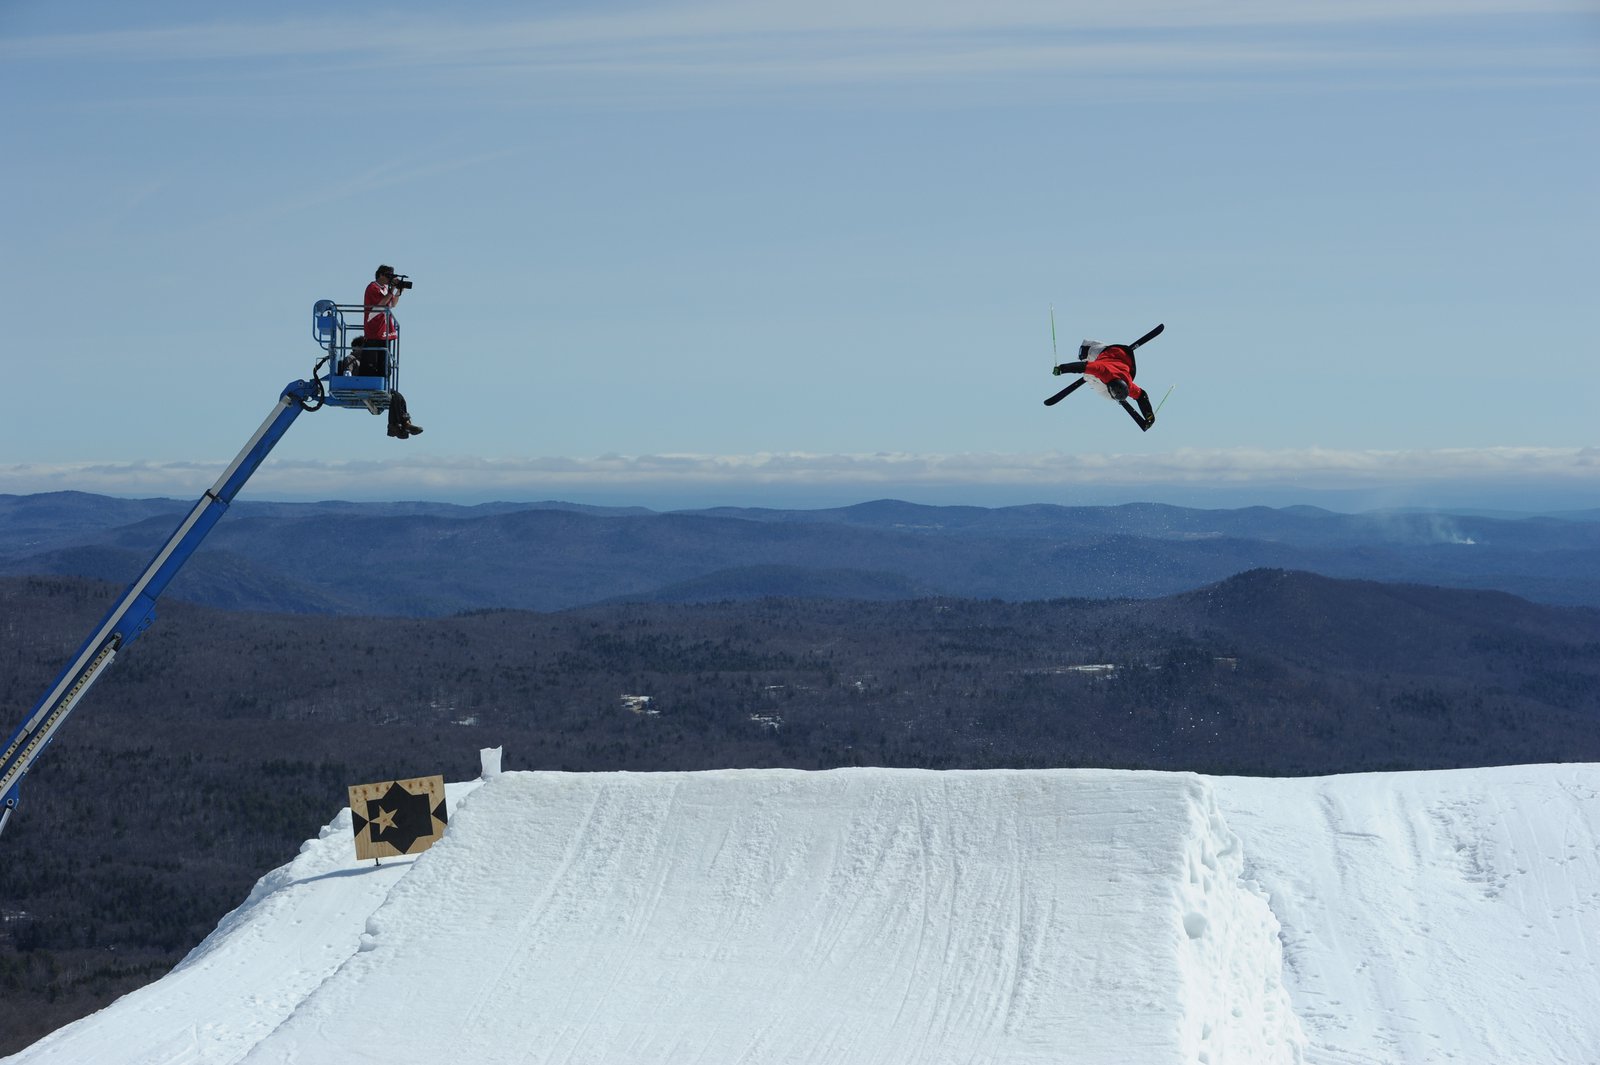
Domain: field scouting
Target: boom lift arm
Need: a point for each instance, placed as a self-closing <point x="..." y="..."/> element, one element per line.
<point x="333" y="327"/>
<point x="136" y="609"/>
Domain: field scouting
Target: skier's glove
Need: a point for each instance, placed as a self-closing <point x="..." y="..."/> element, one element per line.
<point x="1059" y="370"/>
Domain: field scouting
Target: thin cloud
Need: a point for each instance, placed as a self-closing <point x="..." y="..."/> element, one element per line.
<point x="1313" y="469"/>
<point x="796" y="42"/>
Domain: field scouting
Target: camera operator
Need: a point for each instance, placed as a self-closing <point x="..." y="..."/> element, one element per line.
<point x="379" y="329"/>
<point x="377" y="323"/>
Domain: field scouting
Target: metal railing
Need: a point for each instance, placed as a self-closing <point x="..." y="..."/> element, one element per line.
<point x="338" y="329"/>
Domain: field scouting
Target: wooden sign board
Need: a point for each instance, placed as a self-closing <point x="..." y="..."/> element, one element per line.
<point x="398" y="816"/>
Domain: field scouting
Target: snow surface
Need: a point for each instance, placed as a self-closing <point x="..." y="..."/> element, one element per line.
<point x="870" y="915"/>
<point x="1434" y="917"/>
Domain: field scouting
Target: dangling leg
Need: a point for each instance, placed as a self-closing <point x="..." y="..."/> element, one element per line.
<point x="400" y="423"/>
<point x="397" y="415"/>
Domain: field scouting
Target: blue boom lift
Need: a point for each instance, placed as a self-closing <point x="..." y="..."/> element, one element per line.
<point x="363" y="379"/>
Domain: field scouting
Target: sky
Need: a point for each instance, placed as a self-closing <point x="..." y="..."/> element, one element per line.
<point x="808" y="253"/>
<point x="894" y="915"/>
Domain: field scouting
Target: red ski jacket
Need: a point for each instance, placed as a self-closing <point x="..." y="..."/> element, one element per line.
<point x="1112" y="364"/>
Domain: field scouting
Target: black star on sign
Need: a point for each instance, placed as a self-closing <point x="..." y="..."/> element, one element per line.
<point x="399" y="818"/>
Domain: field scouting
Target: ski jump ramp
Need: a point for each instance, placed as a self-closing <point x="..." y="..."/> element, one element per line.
<point x="856" y="915"/>
<point x="887" y="916"/>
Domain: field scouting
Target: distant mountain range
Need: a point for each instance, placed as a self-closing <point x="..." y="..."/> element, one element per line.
<point x="428" y="559"/>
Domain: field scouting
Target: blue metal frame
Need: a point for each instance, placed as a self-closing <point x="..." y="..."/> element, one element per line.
<point x="136" y="609"/>
<point x="334" y="326"/>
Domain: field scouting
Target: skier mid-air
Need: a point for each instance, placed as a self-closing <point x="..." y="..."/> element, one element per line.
<point x="1112" y="369"/>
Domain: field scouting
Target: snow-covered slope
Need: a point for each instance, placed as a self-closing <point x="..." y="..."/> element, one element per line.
<point x="1434" y="917"/>
<point x="902" y="916"/>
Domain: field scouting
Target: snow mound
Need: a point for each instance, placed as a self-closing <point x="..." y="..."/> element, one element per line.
<point x="856" y="915"/>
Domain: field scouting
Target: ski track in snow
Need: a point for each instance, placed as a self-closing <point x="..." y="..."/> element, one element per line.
<point x="886" y="916"/>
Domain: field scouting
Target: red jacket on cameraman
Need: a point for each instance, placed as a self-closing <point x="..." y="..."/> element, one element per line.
<point x="377" y="322"/>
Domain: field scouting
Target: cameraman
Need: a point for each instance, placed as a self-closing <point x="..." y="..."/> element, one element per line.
<point x="377" y="323"/>
<point x="379" y="329"/>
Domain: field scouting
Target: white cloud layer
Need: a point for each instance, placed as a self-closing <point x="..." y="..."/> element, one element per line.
<point x="1040" y="475"/>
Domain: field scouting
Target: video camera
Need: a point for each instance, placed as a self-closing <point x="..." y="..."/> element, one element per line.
<point x="401" y="281"/>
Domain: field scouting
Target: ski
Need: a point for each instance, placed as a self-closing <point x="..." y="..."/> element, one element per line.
<point x="1064" y="393"/>
<point x="1148" y="336"/>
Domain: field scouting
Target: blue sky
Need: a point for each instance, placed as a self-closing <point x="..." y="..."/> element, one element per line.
<point x="804" y="253"/>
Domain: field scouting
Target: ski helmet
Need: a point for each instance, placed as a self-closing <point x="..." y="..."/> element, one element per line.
<point x="1117" y="389"/>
